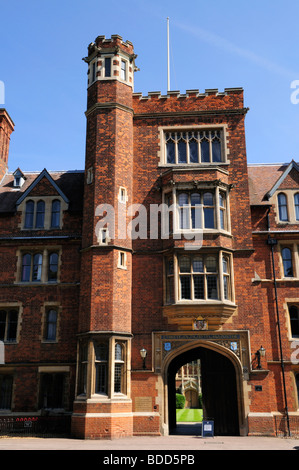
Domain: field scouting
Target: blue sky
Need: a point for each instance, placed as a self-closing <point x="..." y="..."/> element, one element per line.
<point x="216" y="44"/>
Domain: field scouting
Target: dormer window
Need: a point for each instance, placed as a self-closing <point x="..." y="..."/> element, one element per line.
<point x="19" y="179"/>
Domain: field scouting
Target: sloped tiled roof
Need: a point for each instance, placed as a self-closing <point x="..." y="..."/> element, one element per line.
<point x="70" y="183"/>
<point x="262" y="179"/>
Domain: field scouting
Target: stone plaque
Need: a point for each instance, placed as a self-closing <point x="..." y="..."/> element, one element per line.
<point x="143" y="404"/>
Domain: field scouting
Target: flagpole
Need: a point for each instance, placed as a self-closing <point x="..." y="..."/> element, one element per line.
<point x="168" y="71"/>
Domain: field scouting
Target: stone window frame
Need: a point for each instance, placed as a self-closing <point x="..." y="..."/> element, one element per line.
<point x="163" y="130"/>
<point x="294" y="247"/>
<point x="174" y="277"/>
<point x="290" y="204"/>
<point x="48" y="200"/>
<point x="122" y="195"/>
<point x="86" y="368"/>
<point x="63" y="370"/>
<point x="14" y="306"/>
<point x="46" y="251"/>
<point x="46" y="308"/>
<point x="122" y="260"/>
<point x="288" y="303"/>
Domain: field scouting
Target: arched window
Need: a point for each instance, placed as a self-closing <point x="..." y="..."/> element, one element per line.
<point x="51" y="325"/>
<point x="182" y="149"/>
<point x="40" y="214"/>
<point x="294" y="320"/>
<point x="37" y="267"/>
<point x="282" y="207"/>
<point x="55" y="215"/>
<point x="53" y="267"/>
<point x="216" y="146"/>
<point x="287" y="261"/>
<point x="29" y="214"/>
<point x="26" y="268"/>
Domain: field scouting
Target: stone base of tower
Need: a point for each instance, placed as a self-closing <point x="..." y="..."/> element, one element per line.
<point x="102" y="420"/>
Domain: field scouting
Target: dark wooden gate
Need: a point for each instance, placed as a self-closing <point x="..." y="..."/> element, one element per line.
<point x="219" y="392"/>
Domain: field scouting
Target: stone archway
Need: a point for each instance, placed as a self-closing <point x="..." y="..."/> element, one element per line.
<point x="222" y="385"/>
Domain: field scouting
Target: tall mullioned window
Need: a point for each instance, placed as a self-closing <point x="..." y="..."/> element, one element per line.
<point x="42" y="214"/>
<point x="194" y="147"/>
<point x="102" y="367"/>
<point x="34" y="267"/>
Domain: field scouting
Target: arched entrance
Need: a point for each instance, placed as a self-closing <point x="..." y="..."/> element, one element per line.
<point x="219" y="388"/>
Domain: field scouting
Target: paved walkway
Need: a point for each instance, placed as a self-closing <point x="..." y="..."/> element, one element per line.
<point x="179" y="443"/>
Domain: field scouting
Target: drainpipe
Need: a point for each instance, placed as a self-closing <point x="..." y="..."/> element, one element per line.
<point x="272" y="242"/>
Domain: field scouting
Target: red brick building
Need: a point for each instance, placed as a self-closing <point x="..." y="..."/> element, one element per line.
<point x="101" y="301"/>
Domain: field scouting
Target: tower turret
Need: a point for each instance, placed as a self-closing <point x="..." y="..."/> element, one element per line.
<point x="106" y="263"/>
